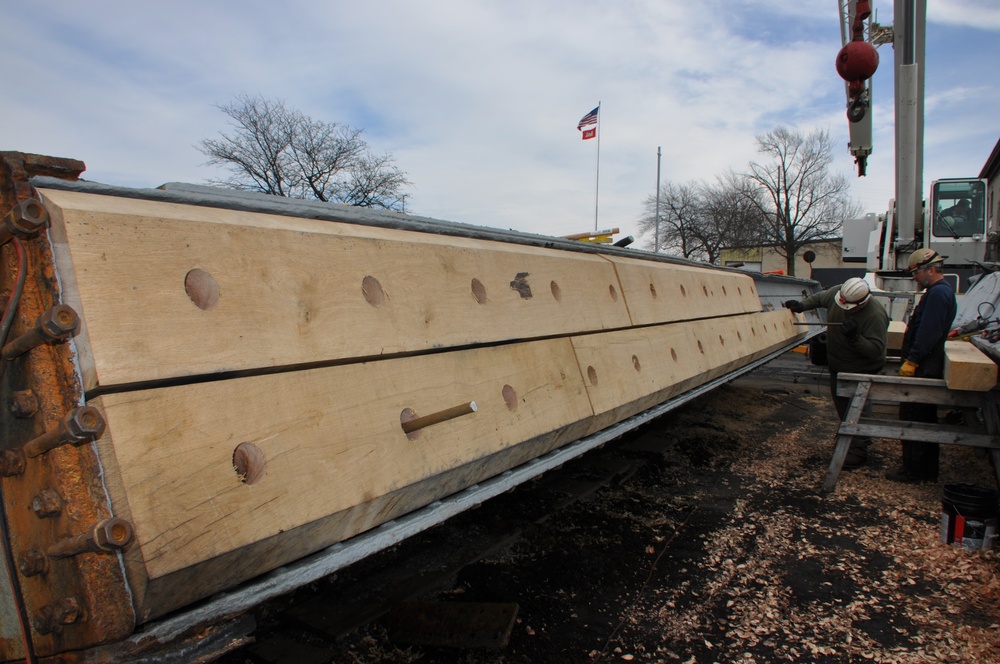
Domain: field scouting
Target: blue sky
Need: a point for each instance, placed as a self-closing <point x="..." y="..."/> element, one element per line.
<point x="478" y="100"/>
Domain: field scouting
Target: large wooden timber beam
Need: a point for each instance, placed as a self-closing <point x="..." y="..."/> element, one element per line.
<point x="257" y="386"/>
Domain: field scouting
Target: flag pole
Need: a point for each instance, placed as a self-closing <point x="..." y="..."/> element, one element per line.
<point x="656" y="242"/>
<point x="597" y="182"/>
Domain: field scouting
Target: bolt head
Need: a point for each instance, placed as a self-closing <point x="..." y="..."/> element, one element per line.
<point x="113" y="533"/>
<point x="29" y="217"/>
<point x="33" y="562"/>
<point x="11" y="463"/>
<point x="46" y="504"/>
<point x="22" y="403"/>
<point x="59" y="322"/>
<point x="85" y="423"/>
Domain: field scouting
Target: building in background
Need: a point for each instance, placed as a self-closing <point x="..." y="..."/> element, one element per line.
<point x="821" y="260"/>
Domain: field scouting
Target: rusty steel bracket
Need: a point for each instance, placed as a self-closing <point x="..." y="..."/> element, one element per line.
<point x="71" y="602"/>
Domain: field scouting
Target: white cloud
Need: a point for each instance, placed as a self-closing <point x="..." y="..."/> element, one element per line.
<point x="477" y="100"/>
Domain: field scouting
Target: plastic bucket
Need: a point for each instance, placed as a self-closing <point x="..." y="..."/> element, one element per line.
<point x="969" y="516"/>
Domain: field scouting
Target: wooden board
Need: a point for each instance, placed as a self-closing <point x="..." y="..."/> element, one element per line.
<point x="276" y="291"/>
<point x="329" y="439"/>
<point x="967" y="368"/>
<point x="335" y="459"/>
<point x="629" y="371"/>
<point x="168" y="290"/>
<point x="658" y="294"/>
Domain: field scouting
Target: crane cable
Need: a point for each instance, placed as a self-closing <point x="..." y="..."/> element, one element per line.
<point x="5" y="542"/>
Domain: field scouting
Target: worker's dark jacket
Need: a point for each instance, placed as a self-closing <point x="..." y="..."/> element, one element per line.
<point x="927" y="330"/>
<point x="862" y="354"/>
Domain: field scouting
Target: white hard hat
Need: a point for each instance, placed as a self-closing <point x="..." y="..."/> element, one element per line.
<point x="852" y="293"/>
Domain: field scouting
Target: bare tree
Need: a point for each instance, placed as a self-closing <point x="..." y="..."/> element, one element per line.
<point x="798" y="200"/>
<point x="699" y="220"/>
<point x="281" y="151"/>
<point x="679" y="209"/>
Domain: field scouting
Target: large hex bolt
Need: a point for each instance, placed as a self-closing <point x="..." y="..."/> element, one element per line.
<point x="53" y="617"/>
<point x="11" y="463"/>
<point x="107" y="536"/>
<point x="81" y="425"/>
<point x="26" y="219"/>
<point x="58" y="323"/>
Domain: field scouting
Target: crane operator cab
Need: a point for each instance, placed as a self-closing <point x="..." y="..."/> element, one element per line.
<point x="958" y="224"/>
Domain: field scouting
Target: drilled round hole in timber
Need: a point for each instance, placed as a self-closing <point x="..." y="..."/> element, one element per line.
<point x="722" y="341"/>
<point x="510" y="397"/>
<point x="724" y="291"/>
<point x="613" y="292"/>
<point x="673" y="354"/>
<point x="479" y="291"/>
<point x="635" y="363"/>
<point x="701" y="349"/>
<point x="556" y="291"/>
<point x="704" y="289"/>
<point x="372" y="290"/>
<point x="592" y="375"/>
<point x="739" y="336"/>
<point x="202" y="288"/>
<point x="249" y="462"/>
<point x="408" y="415"/>
<point x="652" y="291"/>
<point x="684" y="292"/>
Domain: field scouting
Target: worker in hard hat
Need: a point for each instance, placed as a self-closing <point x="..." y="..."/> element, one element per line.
<point x="855" y="342"/>
<point x="923" y="356"/>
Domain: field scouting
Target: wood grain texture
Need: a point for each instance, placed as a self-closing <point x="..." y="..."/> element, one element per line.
<point x="168" y="290"/>
<point x="968" y="368"/>
<point x="628" y="371"/>
<point x="305" y="345"/>
<point x="292" y="291"/>
<point x="661" y="293"/>
<point x="331" y="438"/>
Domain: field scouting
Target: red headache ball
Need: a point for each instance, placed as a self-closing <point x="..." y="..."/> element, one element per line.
<point x="857" y="61"/>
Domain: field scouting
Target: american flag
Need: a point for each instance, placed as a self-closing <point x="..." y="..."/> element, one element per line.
<point x="588" y="119"/>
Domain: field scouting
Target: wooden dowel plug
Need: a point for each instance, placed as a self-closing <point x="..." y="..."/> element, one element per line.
<point x="440" y="416"/>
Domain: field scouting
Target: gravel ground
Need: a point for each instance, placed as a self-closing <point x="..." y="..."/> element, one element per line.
<point x="720" y="547"/>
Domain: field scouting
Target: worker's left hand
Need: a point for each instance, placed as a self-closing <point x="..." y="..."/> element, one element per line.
<point x="908" y="369"/>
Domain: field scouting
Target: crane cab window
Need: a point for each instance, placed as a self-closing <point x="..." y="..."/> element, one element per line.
<point x="959" y="209"/>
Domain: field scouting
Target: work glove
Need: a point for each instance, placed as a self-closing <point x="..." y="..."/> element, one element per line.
<point x="851" y="329"/>
<point x="795" y="306"/>
<point x="908" y="369"/>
